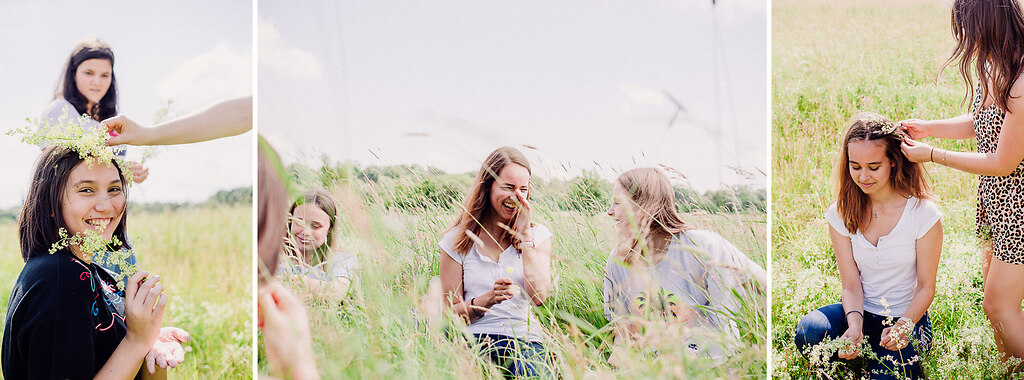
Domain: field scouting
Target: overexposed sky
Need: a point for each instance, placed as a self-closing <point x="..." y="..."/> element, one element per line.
<point x="192" y="53"/>
<point x="583" y="82"/>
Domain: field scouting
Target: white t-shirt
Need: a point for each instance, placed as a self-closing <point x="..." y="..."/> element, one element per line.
<point x="511" y="317"/>
<point x="61" y="112"/>
<point x="700" y="270"/>
<point x="338" y="265"/>
<point x="889" y="270"/>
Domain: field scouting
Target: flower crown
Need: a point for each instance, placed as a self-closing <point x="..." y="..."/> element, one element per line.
<point x="71" y="132"/>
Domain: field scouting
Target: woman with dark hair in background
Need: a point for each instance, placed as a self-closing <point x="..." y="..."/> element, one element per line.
<point x="989" y="46"/>
<point x="88" y="87"/>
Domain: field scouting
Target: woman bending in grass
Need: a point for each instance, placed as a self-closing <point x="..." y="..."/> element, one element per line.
<point x="887" y="238"/>
<point x="990" y="44"/>
<point x="66" y="317"/>
<point x="496" y="264"/>
<point x="323" y="272"/>
<point x="666" y="269"/>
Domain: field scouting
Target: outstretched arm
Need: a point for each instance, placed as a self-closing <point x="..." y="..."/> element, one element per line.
<point x="227" y="118"/>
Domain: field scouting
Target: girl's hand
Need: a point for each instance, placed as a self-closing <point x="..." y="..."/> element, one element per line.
<point x="855" y="335"/>
<point x="282" y="318"/>
<point x="523" y="216"/>
<point x="144" y="308"/>
<point x="139" y="172"/>
<point x="895" y="338"/>
<point x="917" y="151"/>
<point x="168" y="350"/>
<point x="916" y="128"/>
<point x="504" y="289"/>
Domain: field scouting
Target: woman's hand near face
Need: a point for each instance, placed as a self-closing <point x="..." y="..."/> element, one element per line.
<point x="139" y="172"/>
<point x="144" y="305"/>
<point x="917" y="151"/>
<point x="524" y="214"/>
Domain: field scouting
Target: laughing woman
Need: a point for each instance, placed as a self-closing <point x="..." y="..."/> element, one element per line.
<point x="66" y="317"/>
<point x="887" y="238"/>
<point x="990" y="45"/>
<point x="496" y="265"/>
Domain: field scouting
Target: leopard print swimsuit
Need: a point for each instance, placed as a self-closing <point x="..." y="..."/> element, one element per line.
<point x="1000" y="199"/>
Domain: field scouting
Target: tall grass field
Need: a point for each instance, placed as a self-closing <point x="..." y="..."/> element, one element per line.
<point x="831" y="60"/>
<point x="204" y="258"/>
<point x="394" y="324"/>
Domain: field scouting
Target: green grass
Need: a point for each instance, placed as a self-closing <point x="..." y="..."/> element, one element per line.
<point x="394" y="326"/>
<point x="204" y="257"/>
<point x="830" y="61"/>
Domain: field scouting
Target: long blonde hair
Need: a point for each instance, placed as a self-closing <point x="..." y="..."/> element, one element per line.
<point x="653" y="199"/>
<point x="476" y="208"/>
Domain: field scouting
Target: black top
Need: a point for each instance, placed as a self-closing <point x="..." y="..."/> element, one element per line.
<point x="64" y="320"/>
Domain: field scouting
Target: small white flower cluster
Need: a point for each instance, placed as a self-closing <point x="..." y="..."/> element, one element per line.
<point x="71" y="133"/>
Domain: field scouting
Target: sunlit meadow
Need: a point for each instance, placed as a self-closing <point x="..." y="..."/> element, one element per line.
<point x="394" y="325"/>
<point x="831" y="60"/>
<point x="204" y="257"/>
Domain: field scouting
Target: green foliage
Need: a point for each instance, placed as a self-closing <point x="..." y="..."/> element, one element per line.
<point x="587" y="194"/>
<point x="236" y="196"/>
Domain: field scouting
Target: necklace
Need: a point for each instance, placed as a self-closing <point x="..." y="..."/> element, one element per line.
<point x="874" y="211"/>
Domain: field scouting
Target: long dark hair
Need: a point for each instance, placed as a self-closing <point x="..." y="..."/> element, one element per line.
<point x="906" y="177"/>
<point x="476" y="208"/>
<point x="91" y="48"/>
<point x="42" y="215"/>
<point x="327" y="204"/>
<point x="990" y="43"/>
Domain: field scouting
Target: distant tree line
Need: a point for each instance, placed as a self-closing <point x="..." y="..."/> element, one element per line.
<point x="236" y="196"/>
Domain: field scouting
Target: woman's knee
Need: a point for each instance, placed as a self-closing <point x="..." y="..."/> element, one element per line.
<point x="811" y="329"/>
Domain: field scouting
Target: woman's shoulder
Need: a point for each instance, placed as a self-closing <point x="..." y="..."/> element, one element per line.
<point x="59" y="107"/>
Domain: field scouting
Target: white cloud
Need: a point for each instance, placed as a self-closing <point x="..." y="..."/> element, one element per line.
<point x="207" y="78"/>
<point x="642" y="95"/>
<point x="279" y="55"/>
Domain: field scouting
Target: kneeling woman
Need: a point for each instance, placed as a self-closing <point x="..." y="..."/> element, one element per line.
<point x="496" y="264"/>
<point x="66" y="317"/>
<point x="887" y="237"/>
<point x="665" y="268"/>
<point x="326" y="274"/>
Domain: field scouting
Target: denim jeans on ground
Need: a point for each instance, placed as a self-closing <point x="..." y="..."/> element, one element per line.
<point x="517" y="357"/>
<point x="830" y="322"/>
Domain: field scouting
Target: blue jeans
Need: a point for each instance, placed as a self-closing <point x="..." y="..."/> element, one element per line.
<point x="517" y="357"/>
<point x="830" y="322"/>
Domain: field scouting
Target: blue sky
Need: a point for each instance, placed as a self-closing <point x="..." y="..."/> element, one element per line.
<point x="190" y="52"/>
<point x="584" y="82"/>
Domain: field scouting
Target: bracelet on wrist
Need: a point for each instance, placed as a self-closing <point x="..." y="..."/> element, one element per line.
<point x="472" y="307"/>
<point x="931" y="155"/>
<point x="855" y="311"/>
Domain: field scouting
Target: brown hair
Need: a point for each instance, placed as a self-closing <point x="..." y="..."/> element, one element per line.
<point x="990" y="42"/>
<point x="654" y="199"/>
<point x="41" y="216"/>
<point x="272" y="223"/>
<point x="906" y="177"/>
<point x="475" y="208"/>
<point x="324" y="202"/>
